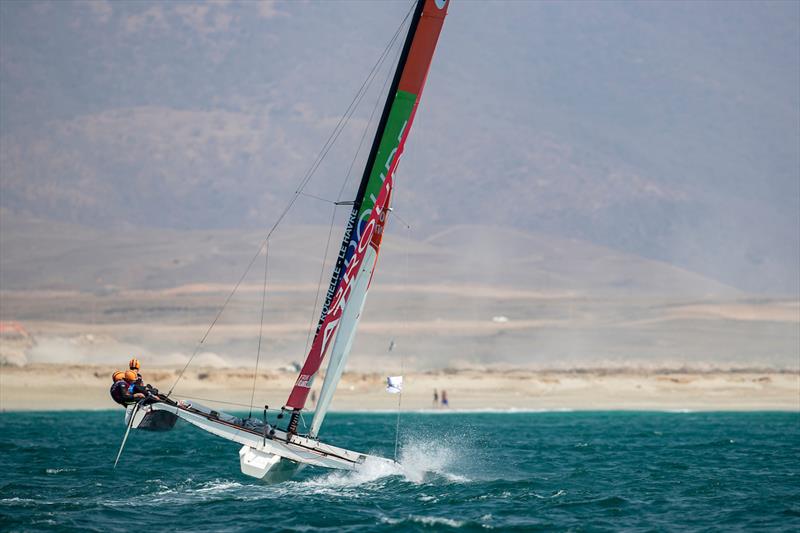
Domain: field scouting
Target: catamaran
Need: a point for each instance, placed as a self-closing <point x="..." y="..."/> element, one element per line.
<point x="269" y="452"/>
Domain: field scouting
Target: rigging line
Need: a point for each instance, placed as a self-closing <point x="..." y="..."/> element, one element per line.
<point x="349" y="112"/>
<point x="359" y="95"/>
<point x="315" y="197"/>
<point x="401" y="219"/>
<point x="239" y="404"/>
<point x="405" y="328"/>
<point x="397" y="423"/>
<point x="366" y="129"/>
<point x="260" y="327"/>
<point x="334" y="135"/>
<point x="341" y="191"/>
<point x="219" y="314"/>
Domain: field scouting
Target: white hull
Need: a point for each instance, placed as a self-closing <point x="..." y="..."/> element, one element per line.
<point x="145" y="417"/>
<point x="272" y="457"/>
<point x="267" y="467"/>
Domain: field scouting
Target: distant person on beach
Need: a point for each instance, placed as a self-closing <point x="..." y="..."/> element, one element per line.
<point x="435" y="398"/>
<point x="445" y="403"/>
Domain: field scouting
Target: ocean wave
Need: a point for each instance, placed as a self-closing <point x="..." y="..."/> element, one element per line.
<point x="218" y="486"/>
<point x="557" y="494"/>
<point x="25" y="502"/>
<point x="425" y="520"/>
<point x="437" y="520"/>
<point x="58" y="470"/>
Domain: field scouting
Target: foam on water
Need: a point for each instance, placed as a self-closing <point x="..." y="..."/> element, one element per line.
<point x="58" y="470"/>
<point x="420" y="460"/>
<point x="218" y="486"/>
<point x="425" y="521"/>
<point x="420" y="457"/>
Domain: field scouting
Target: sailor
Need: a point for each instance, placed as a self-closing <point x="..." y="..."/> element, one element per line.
<point x="133" y="364"/>
<point x="123" y="390"/>
<point x="139" y="386"/>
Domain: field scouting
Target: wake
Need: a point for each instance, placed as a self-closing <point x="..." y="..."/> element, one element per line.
<point x="420" y="461"/>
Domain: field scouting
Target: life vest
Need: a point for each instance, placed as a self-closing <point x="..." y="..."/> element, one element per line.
<point x="120" y="393"/>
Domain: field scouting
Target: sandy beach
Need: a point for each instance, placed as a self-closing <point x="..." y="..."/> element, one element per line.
<point x="54" y="387"/>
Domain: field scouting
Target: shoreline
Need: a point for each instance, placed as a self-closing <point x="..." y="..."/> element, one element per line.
<point x="447" y="412"/>
<point x="491" y="390"/>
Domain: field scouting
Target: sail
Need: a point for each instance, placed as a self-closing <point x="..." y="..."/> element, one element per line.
<point x="349" y="321"/>
<point x="359" y="250"/>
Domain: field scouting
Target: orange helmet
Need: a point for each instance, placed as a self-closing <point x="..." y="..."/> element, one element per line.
<point x="118" y="375"/>
<point x="130" y="375"/>
<point x="133" y="364"/>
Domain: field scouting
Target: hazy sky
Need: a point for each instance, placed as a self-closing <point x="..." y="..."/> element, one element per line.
<point x="665" y="129"/>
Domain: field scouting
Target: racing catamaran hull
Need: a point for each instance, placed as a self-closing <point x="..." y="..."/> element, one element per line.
<point x="149" y="419"/>
<point x="270" y="454"/>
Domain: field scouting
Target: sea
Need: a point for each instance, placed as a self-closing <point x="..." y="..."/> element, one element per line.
<point x="455" y="471"/>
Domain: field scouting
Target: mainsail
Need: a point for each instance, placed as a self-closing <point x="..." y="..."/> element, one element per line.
<point x="358" y="253"/>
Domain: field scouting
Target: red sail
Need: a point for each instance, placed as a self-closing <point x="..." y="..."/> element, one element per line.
<point x="387" y="149"/>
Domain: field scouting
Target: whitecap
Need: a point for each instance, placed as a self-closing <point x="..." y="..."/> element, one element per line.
<point x="370" y="471"/>
<point x="425" y="520"/>
<point x="58" y="470"/>
<point x="17" y="501"/>
<point x="555" y="495"/>
<point x="217" y="485"/>
<point x="437" y="521"/>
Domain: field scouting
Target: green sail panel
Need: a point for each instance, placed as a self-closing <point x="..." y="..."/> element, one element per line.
<point x="393" y="128"/>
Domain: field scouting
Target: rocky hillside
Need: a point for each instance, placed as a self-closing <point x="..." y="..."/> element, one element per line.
<point x="665" y="131"/>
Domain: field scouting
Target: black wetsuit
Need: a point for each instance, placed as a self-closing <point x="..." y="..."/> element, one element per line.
<point x="121" y="393"/>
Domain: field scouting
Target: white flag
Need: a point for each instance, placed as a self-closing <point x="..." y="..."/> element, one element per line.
<point x="394" y="384"/>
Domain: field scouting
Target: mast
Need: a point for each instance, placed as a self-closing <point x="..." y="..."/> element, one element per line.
<point x="361" y="242"/>
<point x="346" y="248"/>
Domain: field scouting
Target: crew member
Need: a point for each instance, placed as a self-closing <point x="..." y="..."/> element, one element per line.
<point x="123" y="390"/>
<point x="133" y="364"/>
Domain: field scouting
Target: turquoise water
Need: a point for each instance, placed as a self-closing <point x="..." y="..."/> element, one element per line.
<point x="459" y="471"/>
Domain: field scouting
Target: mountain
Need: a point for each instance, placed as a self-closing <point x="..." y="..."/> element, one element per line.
<point x="461" y="295"/>
<point x="665" y="131"/>
<point x="39" y="255"/>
